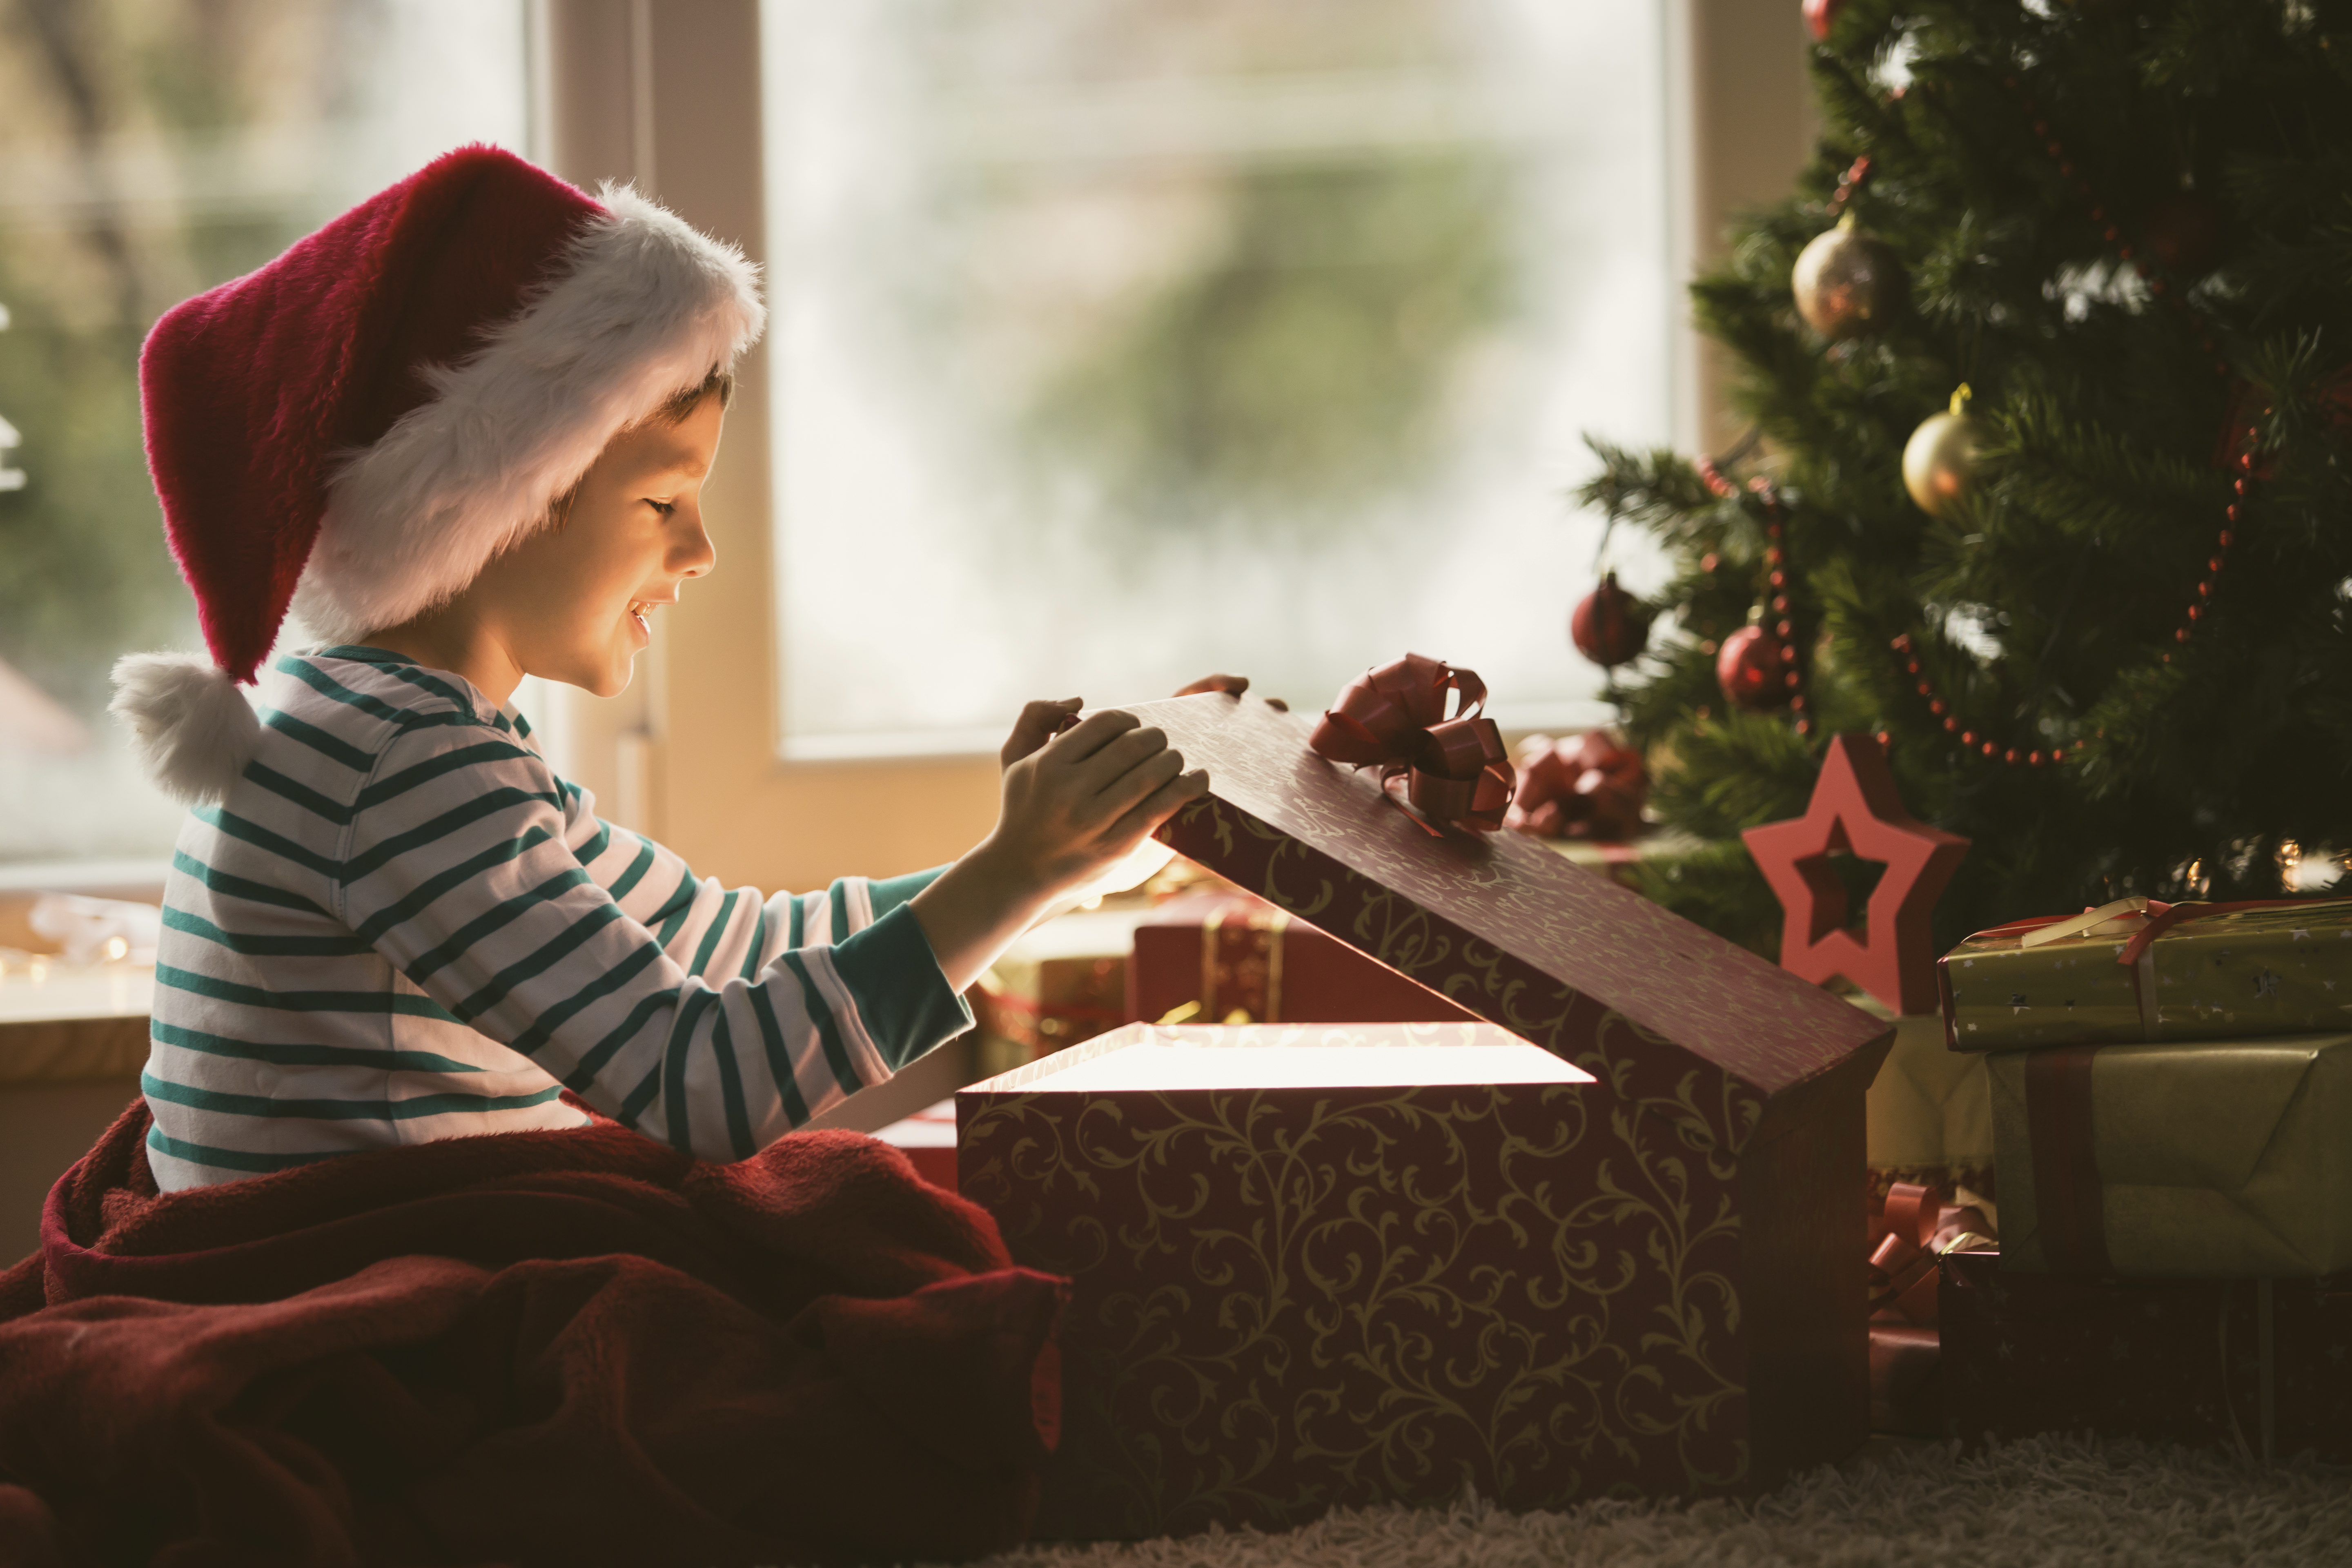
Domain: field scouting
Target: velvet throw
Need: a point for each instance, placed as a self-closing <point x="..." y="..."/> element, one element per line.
<point x="543" y="1347"/>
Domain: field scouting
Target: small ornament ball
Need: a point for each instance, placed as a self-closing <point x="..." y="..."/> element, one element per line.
<point x="1609" y="626"/>
<point x="1751" y="670"/>
<point x="1940" y="461"/>
<point x="1821" y="16"/>
<point x="1847" y="283"/>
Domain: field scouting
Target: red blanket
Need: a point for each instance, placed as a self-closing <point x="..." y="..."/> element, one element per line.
<point x="547" y="1347"/>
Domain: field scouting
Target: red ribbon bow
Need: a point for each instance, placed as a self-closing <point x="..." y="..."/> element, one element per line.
<point x="1917" y="1226"/>
<point x="1394" y="718"/>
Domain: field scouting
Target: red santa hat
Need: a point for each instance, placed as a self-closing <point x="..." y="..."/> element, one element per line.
<point x="356" y="428"/>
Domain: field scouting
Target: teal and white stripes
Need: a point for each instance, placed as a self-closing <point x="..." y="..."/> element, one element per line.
<point x="401" y="926"/>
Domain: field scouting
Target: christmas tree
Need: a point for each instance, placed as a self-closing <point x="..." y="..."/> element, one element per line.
<point x="2103" y="630"/>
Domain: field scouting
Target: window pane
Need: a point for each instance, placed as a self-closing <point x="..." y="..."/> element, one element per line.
<point x="1118" y="342"/>
<point x="156" y="148"/>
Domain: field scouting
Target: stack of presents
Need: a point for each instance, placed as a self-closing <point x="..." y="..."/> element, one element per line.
<point x="1398" y="1161"/>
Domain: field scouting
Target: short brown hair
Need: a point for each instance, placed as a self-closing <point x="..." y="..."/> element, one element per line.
<point x="686" y="399"/>
<point x="675" y="410"/>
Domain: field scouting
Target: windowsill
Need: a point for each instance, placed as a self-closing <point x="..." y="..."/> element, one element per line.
<point x="951" y="745"/>
<point x="142" y="880"/>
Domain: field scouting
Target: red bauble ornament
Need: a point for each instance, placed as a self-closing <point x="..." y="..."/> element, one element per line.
<point x="2187" y="235"/>
<point x="1857" y="810"/>
<point x="1609" y="626"/>
<point x="1753" y="668"/>
<point x="1821" y="16"/>
<point x="1590" y="787"/>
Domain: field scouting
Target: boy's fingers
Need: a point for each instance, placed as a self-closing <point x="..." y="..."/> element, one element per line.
<point x="1132" y="783"/>
<point x="1121" y="753"/>
<point x="1089" y="735"/>
<point x="1234" y="685"/>
<point x="1160" y="805"/>
<point x="1038" y="723"/>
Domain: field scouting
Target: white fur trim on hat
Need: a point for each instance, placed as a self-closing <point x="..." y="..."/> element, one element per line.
<point x="642" y="306"/>
<point x="190" y="726"/>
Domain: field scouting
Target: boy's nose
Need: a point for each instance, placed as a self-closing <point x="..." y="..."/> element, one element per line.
<point x="693" y="554"/>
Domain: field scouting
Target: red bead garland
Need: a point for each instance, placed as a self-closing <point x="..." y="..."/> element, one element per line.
<point x="2032" y="757"/>
<point x="2157" y="284"/>
<point x="1776" y="567"/>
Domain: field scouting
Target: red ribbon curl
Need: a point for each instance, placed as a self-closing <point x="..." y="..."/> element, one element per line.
<point x="1393" y="718"/>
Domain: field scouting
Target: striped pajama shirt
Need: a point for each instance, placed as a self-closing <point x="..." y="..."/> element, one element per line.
<point x="401" y="926"/>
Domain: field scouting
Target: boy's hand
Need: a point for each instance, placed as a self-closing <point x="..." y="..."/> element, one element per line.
<point x="1076" y="801"/>
<point x="1083" y="800"/>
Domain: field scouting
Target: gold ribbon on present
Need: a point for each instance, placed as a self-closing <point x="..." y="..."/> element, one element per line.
<point x="1393" y="718"/>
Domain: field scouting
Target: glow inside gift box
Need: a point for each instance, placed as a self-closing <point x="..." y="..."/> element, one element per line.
<point x="1604" y="1242"/>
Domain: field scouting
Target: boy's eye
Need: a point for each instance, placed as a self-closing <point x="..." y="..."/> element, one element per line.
<point x="663" y="507"/>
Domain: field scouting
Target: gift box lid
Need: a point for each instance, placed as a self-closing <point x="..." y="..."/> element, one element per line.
<point x="1667" y="1015"/>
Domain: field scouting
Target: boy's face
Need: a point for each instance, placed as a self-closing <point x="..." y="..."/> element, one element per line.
<point x="570" y="602"/>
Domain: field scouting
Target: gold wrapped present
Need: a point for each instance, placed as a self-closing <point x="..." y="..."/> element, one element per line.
<point x="1061" y="983"/>
<point x="1930" y="1113"/>
<point x="2215" y="1160"/>
<point x="2141" y="971"/>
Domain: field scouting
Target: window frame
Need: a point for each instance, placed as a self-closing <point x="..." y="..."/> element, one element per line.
<point x="691" y="753"/>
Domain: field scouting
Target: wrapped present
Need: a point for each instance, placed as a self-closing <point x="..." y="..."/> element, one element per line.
<point x="1233" y="958"/>
<point x="1906" y="1379"/>
<point x="1250" y="1341"/>
<point x="2259" y="1368"/>
<point x="2216" y="1160"/>
<point x="1590" y="787"/>
<point x="1910" y="1231"/>
<point x="1061" y="983"/>
<point x="2141" y="971"/>
<point x="1930" y="1111"/>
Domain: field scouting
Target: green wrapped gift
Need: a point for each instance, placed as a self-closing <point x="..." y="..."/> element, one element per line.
<point x="2141" y="971"/>
<point x="2218" y="1159"/>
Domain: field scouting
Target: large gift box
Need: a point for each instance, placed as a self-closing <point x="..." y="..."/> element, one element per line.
<point x="2142" y="972"/>
<point x="2218" y="1159"/>
<point x="1228" y="957"/>
<point x="1637" y="1279"/>
<point x="2259" y="1368"/>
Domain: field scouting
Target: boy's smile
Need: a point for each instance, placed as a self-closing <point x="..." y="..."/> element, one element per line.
<point x="573" y="601"/>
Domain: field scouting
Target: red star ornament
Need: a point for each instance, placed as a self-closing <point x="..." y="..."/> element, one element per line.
<point x="1856" y="810"/>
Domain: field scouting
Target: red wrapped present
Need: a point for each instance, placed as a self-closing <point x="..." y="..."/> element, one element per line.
<point x="1592" y="786"/>
<point x="1909" y="1231"/>
<point x="1906" y="1379"/>
<point x="2259" y="1368"/>
<point x="1231" y="958"/>
<point x="1268" y="1319"/>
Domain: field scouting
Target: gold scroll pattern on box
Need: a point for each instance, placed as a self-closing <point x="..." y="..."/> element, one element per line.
<point x="1287" y="1300"/>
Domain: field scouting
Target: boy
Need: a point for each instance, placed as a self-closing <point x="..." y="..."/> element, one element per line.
<point x="462" y="430"/>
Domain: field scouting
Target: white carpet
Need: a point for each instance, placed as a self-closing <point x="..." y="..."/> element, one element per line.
<point x="2044" y="1502"/>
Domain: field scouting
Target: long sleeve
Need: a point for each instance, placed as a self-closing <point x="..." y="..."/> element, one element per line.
<point x="706" y="1017"/>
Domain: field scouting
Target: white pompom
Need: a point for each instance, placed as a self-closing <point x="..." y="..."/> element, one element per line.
<point x="194" y="730"/>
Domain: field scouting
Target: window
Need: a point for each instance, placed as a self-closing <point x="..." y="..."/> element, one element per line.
<point x="157" y="147"/>
<point x="1116" y="342"/>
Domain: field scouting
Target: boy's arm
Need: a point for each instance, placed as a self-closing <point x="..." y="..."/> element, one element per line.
<point x="705" y="1017"/>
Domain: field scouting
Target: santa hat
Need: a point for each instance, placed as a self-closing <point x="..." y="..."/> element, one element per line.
<point x="356" y="428"/>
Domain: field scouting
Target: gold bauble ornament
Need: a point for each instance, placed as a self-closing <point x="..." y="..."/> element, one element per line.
<point x="1846" y="283"/>
<point x="1940" y="461"/>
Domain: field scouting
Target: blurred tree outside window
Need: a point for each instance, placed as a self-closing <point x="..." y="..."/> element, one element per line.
<point x="1117" y="340"/>
<point x="154" y="148"/>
